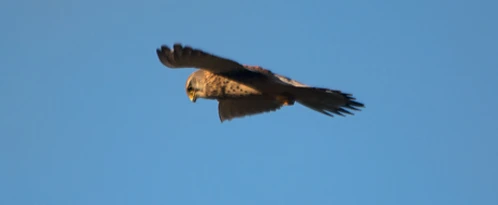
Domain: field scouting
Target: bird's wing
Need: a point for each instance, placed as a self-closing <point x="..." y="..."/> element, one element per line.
<point x="326" y="101"/>
<point x="276" y="77"/>
<point x="188" y="57"/>
<point x="235" y="108"/>
<point x="323" y="100"/>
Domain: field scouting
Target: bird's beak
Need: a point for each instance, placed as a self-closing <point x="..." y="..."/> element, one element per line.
<point x="192" y="97"/>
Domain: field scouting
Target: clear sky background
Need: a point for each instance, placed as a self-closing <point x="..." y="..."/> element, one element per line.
<point x="88" y="115"/>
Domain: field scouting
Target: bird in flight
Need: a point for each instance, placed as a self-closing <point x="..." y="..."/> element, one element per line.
<point x="244" y="90"/>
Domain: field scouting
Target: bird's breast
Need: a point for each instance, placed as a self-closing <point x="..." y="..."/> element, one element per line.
<point x="223" y="87"/>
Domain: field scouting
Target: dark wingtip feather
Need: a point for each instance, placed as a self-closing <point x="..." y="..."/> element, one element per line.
<point x="357" y="104"/>
<point x="352" y="103"/>
<point x="177" y="46"/>
<point x="337" y="112"/>
<point x="344" y="111"/>
<point x="163" y="55"/>
<point x="351" y="107"/>
<point x="348" y="104"/>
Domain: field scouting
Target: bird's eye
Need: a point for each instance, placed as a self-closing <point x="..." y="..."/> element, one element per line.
<point x="189" y="88"/>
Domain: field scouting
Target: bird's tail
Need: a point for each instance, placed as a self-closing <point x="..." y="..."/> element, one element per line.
<point x="326" y="101"/>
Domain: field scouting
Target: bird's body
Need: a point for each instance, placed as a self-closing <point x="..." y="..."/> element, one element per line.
<point x="243" y="90"/>
<point x="218" y="86"/>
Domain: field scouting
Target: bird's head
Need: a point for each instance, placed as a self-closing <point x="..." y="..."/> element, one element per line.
<point x="195" y="86"/>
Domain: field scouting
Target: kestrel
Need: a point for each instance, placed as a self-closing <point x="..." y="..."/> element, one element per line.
<point x="243" y="90"/>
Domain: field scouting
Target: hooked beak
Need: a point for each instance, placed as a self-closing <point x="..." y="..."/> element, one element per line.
<point x="192" y="97"/>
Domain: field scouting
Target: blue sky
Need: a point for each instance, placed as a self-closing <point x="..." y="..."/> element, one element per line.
<point x="90" y="116"/>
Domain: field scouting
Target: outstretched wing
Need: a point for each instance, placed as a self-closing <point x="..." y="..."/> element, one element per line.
<point x="323" y="100"/>
<point x="327" y="101"/>
<point x="187" y="57"/>
<point x="236" y="108"/>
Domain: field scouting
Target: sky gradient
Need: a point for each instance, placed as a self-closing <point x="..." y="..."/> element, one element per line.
<point x="88" y="115"/>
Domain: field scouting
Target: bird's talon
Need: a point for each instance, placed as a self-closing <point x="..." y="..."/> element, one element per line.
<point x="285" y="101"/>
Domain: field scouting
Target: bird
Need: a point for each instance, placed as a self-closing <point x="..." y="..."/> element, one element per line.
<point x="245" y="90"/>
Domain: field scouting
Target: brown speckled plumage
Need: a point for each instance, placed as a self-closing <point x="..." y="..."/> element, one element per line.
<point x="243" y="90"/>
